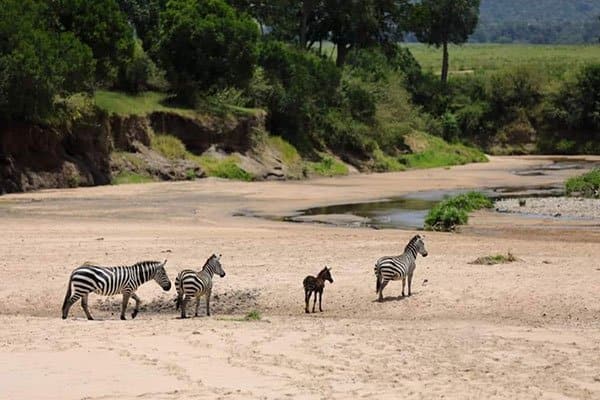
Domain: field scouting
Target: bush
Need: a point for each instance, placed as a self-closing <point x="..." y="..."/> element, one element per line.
<point x="206" y="45"/>
<point x="302" y="86"/>
<point x="446" y="215"/>
<point x="587" y="185"/>
<point x="223" y="167"/>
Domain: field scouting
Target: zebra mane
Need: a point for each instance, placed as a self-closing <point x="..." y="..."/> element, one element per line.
<point x="148" y="263"/>
<point x="412" y="241"/>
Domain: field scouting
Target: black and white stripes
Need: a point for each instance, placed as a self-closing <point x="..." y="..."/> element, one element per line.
<point x="108" y="281"/>
<point x="399" y="267"/>
<point x="190" y="283"/>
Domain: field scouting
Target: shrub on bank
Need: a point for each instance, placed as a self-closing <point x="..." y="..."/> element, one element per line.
<point x="454" y="211"/>
<point x="586" y="185"/>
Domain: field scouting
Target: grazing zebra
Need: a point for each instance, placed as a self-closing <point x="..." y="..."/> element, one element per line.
<point x="399" y="267"/>
<point x="108" y="281"/>
<point x="316" y="285"/>
<point x="190" y="283"/>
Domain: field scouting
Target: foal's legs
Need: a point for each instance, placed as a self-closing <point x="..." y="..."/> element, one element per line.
<point x="137" y="305"/>
<point x="307" y="294"/>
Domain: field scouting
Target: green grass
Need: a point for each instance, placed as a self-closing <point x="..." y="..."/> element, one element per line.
<point x="555" y="60"/>
<point x="327" y="166"/>
<point x="385" y="163"/>
<point x="226" y="167"/>
<point x="289" y="154"/>
<point x="169" y="146"/>
<point x="142" y="104"/>
<point x="431" y="152"/>
<point x="253" y="315"/>
<point x="448" y="214"/>
<point x="495" y="259"/>
<point x="130" y="177"/>
<point x="586" y="185"/>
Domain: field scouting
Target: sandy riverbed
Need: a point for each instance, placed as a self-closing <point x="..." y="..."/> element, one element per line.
<point x="525" y="330"/>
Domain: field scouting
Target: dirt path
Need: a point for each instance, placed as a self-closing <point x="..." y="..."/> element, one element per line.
<point x="525" y="330"/>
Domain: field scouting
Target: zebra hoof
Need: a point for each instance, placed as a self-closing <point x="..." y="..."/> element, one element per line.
<point x="123" y="318"/>
<point x="64" y="317"/>
<point x="134" y="314"/>
<point x="306" y="311"/>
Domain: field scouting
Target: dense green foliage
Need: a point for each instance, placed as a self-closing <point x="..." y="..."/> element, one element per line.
<point x="103" y="28"/>
<point x="204" y="45"/>
<point x="446" y="215"/>
<point x="542" y="21"/>
<point x="38" y="64"/>
<point x="586" y="185"/>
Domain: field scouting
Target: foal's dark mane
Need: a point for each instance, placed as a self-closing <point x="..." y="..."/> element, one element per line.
<point x="322" y="273"/>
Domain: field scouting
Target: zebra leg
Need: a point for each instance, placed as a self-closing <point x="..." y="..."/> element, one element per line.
<point x="409" y="284"/>
<point x="137" y="305"/>
<point x="126" y="297"/>
<point x="67" y="305"/>
<point x="383" y="285"/>
<point x="403" y="283"/>
<point x="320" y="299"/>
<point x="315" y="301"/>
<point x="84" y="305"/>
<point x="208" y="302"/>
<point x="183" y="306"/>
<point x="197" y="305"/>
<point x="307" y="294"/>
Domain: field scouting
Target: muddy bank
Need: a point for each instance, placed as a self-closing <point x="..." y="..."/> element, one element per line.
<point x="565" y="207"/>
<point x="96" y="148"/>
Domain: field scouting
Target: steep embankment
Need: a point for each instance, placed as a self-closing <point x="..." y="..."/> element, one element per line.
<point x="104" y="147"/>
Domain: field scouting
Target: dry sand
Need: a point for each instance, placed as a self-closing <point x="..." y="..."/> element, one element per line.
<point x="525" y="330"/>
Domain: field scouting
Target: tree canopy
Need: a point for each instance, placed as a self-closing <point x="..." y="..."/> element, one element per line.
<point x="206" y="44"/>
<point x="439" y="22"/>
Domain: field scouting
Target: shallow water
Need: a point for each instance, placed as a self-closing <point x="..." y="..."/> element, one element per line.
<point x="409" y="212"/>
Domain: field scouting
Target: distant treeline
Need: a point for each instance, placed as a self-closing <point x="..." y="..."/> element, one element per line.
<point x="540" y="21"/>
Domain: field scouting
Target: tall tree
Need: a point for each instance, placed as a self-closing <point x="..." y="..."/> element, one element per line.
<point x="440" y="22"/>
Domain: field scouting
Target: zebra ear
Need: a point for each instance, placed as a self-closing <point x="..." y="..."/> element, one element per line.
<point x="164" y="263"/>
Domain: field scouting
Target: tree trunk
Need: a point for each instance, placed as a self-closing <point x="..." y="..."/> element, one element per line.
<point x="306" y="6"/>
<point x="342" y="52"/>
<point x="445" y="64"/>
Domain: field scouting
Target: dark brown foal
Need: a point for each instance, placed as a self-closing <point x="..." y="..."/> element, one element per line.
<point x="316" y="285"/>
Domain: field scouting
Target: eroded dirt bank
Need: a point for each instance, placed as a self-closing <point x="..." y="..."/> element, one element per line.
<point x="529" y="329"/>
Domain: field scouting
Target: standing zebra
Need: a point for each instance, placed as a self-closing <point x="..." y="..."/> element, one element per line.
<point x="399" y="267"/>
<point x="316" y="286"/>
<point x="190" y="283"/>
<point x="109" y="281"/>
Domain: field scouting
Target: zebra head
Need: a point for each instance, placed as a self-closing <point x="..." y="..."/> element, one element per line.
<point x="325" y="274"/>
<point x="161" y="277"/>
<point x="214" y="265"/>
<point x="419" y="244"/>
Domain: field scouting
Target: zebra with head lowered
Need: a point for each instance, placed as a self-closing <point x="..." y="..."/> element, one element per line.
<point x="190" y="283"/>
<point x="392" y="268"/>
<point x="108" y="281"/>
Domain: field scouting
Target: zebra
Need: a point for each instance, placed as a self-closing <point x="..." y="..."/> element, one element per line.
<point x="108" y="281"/>
<point x="399" y="267"/>
<point x="316" y="285"/>
<point x="190" y="283"/>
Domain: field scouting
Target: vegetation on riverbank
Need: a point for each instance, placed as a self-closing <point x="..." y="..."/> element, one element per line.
<point x="363" y="100"/>
<point x="450" y="213"/>
<point x="586" y="185"/>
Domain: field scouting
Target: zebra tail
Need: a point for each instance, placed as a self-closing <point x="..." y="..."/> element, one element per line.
<point x="179" y="297"/>
<point x="67" y="297"/>
<point x="378" y="282"/>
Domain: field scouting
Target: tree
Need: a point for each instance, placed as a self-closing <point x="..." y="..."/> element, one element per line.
<point x="204" y="45"/>
<point x="439" y="22"/>
<point x="144" y="16"/>
<point x="38" y="65"/>
<point x="102" y="26"/>
<point x="364" y="23"/>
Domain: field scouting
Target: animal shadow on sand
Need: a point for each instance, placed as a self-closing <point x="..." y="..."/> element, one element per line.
<point x="396" y="298"/>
